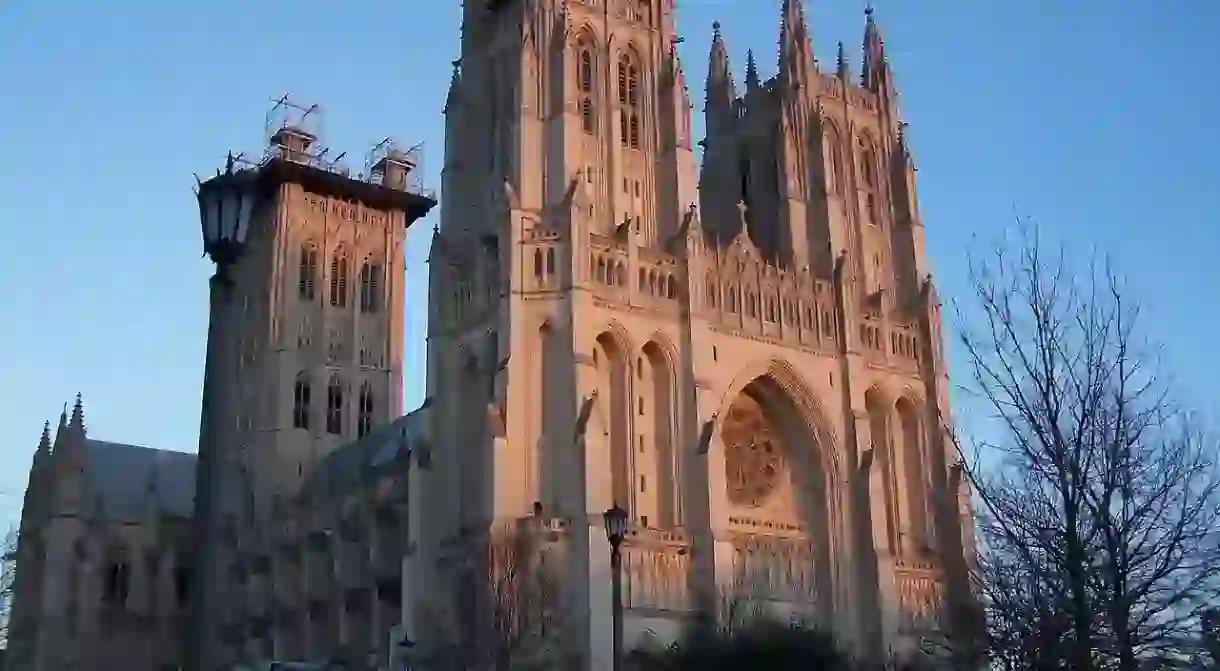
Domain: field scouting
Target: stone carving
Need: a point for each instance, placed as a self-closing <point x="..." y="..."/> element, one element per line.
<point x="655" y="578"/>
<point x="919" y="598"/>
<point x="775" y="569"/>
<point x="753" y="453"/>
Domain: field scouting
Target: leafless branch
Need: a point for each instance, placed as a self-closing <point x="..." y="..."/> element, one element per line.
<point x="1100" y="496"/>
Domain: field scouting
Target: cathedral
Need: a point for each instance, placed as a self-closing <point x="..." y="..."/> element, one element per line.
<point x="735" y="341"/>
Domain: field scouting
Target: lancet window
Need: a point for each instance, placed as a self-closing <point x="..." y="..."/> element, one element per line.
<point x="308" y="271"/>
<point x="584" y="84"/>
<point x="629" y="99"/>
<point x="338" y="279"/>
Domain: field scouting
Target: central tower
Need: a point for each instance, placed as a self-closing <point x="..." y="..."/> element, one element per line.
<point x="304" y="350"/>
<point x="751" y="368"/>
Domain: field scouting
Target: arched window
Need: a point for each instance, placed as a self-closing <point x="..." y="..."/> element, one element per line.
<point x="834" y="152"/>
<point x="538" y="263"/>
<point x="334" y="406"/>
<point x="308" y="271"/>
<point x="370" y="274"/>
<point x="300" y="402"/>
<point x="584" y="75"/>
<point x="629" y="101"/>
<point x="338" y="280"/>
<point x="364" y="422"/>
<point x="550" y="261"/>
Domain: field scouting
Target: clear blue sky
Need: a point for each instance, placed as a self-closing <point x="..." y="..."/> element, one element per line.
<point x="1096" y="118"/>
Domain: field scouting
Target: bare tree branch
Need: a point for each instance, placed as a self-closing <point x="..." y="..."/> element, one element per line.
<point x="506" y="610"/>
<point x="8" y="577"/>
<point x="1100" y="497"/>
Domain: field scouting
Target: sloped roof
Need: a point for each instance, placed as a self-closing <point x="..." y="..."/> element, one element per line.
<point x="123" y="475"/>
<point x="343" y="468"/>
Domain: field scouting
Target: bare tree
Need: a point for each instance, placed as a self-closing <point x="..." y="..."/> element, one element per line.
<point x="8" y="577"/>
<point x="1100" y="501"/>
<point x="506" y="608"/>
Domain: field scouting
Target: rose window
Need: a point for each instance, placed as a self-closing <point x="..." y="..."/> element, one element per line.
<point x="753" y="455"/>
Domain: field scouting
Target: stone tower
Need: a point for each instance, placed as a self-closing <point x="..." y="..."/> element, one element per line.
<point x="751" y="368"/>
<point x="305" y="340"/>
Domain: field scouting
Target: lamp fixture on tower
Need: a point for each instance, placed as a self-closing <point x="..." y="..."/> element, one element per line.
<point x="226" y="203"/>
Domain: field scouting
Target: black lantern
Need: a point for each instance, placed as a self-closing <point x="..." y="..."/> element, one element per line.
<point x="616" y="524"/>
<point x="226" y="205"/>
<point x="615" y="519"/>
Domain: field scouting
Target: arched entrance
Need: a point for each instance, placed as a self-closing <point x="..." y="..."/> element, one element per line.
<point x="779" y="499"/>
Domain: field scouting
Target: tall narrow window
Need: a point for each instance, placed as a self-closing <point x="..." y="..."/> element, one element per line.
<point x="117" y="581"/>
<point x="308" y="271"/>
<point x="868" y="178"/>
<point x="370" y="274"/>
<point x="629" y="101"/>
<point x="584" y="73"/>
<point x="182" y="585"/>
<point x="868" y="165"/>
<point x="300" y="402"/>
<point x="364" y="423"/>
<point x="338" y="280"/>
<point x="334" y="406"/>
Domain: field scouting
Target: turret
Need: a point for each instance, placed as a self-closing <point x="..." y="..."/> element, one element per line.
<point x="68" y="460"/>
<point x="40" y="484"/>
<point x="77" y="423"/>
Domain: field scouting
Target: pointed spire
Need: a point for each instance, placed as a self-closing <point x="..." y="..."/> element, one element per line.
<point x="720" y="92"/>
<point x="44" y="443"/>
<point x="78" y="415"/>
<point x="843" y="67"/>
<point x="719" y="74"/>
<point x="795" y="53"/>
<point x="752" y="81"/>
<point x="873" y="71"/>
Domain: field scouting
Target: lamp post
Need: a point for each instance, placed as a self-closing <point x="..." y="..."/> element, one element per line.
<point x="615" y="519"/>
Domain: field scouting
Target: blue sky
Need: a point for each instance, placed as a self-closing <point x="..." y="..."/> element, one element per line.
<point x="1095" y="118"/>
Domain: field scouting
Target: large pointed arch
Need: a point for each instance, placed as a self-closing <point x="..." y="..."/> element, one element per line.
<point x="612" y="357"/>
<point x="883" y="487"/>
<point x="794" y="385"/>
<point x="780" y="415"/>
<point x="656" y="372"/>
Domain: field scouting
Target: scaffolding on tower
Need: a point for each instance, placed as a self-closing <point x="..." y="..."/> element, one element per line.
<point x="389" y="165"/>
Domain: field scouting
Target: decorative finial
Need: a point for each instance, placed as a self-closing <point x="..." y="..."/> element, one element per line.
<point x="752" y="80"/>
<point x="716" y="29"/>
<point x="868" y="8"/>
<point x="229" y="164"/>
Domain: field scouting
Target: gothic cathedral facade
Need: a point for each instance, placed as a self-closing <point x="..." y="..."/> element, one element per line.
<point x="745" y="355"/>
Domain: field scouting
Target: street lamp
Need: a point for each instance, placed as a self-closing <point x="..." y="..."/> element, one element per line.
<point x="615" y="519"/>
<point x="226" y="203"/>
